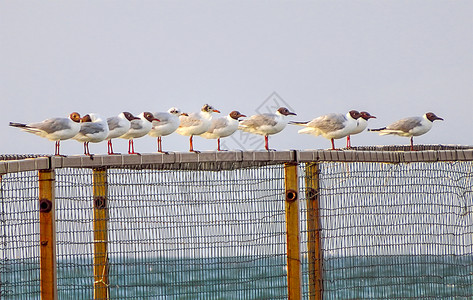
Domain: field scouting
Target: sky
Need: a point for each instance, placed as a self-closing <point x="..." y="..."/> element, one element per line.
<point x="393" y="59"/>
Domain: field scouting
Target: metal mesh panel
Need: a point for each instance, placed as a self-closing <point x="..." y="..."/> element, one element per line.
<point x="395" y="231"/>
<point x="19" y="218"/>
<point x="177" y="234"/>
<point x="74" y="237"/>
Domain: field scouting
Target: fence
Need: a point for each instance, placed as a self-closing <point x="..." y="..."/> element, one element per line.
<point x="372" y="223"/>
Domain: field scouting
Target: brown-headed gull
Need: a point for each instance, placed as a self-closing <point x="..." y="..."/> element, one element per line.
<point x="410" y="127"/>
<point x="93" y="128"/>
<point x="223" y="127"/>
<point x="331" y="126"/>
<point x="54" y="129"/>
<point x="118" y="126"/>
<point x="266" y="124"/>
<point x="362" y="123"/>
<point x="167" y="124"/>
<point x="196" y="123"/>
<point x="138" y="128"/>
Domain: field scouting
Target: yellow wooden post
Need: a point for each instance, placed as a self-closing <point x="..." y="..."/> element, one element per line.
<point x="314" y="244"/>
<point x="100" y="190"/>
<point x="47" y="234"/>
<point x="292" y="232"/>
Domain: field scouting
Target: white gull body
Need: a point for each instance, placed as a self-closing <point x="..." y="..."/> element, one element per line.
<point x="138" y="128"/>
<point x="266" y="124"/>
<point x="167" y="124"/>
<point x="362" y="123"/>
<point x="118" y="126"/>
<point x="196" y="123"/>
<point x="223" y="127"/>
<point x="93" y="129"/>
<point x="410" y="127"/>
<point x="54" y="129"/>
<point x="331" y="126"/>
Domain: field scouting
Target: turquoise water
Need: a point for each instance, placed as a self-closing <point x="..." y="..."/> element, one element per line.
<point x="384" y="277"/>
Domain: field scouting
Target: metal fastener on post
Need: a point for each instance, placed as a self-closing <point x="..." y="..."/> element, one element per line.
<point x="100" y="191"/>
<point x="294" y="276"/>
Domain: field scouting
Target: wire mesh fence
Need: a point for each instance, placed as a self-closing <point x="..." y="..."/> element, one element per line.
<point x="395" y="231"/>
<point x="176" y="234"/>
<point x="217" y="230"/>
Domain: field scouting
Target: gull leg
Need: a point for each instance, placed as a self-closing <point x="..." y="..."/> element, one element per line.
<point x="131" y="145"/>
<point x="56" y="148"/>
<point x="412" y="143"/>
<point x="333" y="145"/>
<point x="266" y="142"/>
<point x="348" y="142"/>
<point x="218" y="144"/>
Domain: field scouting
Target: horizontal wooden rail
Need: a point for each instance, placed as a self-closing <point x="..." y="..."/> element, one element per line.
<point x="237" y="159"/>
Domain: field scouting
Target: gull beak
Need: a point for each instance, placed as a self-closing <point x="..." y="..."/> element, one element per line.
<point x="216" y="110"/>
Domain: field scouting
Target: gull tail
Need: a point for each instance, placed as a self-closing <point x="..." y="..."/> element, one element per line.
<point x="377" y="129"/>
<point x="298" y="123"/>
<point x="19" y="125"/>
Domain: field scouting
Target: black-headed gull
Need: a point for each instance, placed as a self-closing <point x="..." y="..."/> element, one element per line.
<point x="138" y="128"/>
<point x="167" y="124"/>
<point x="118" y="126"/>
<point x="331" y="126"/>
<point x="266" y="124"/>
<point x="410" y="127"/>
<point x="362" y="123"/>
<point x="196" y="123"/>
<point x="93" y="128"/>
<point x="223" y="127"/>
<point x="54" y="129"/>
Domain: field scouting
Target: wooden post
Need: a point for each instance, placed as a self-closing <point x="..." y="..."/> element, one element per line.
<point x="47" y="234"/>
<point x="100" y="190"/>
<point x="314" y="244"/>
<point x="294" y="282"/>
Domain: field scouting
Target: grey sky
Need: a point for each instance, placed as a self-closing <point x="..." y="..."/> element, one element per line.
<point x="392" y="58"/>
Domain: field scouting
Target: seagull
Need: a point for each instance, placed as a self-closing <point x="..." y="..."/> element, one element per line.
<point x="196" y="123"/>
<point x="138" y="128"/>
<point x="266" y="124"/>
<point x="361" y="125"/>
<point x="410" y="127"/>
<point x="223" y="127"/>
<point x="118" y="126"/>
<point x="93" y="128"/>
<point x="168" y="123"/>
<point x="54" y="129"/>
<point x="331" y="126"/>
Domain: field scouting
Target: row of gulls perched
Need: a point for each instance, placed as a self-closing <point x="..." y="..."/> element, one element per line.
<point x="337" y="126"/>
<point x="93" y="128"/>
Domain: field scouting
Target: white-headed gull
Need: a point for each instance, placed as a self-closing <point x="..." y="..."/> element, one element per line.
<point x="410" y="127"/>
<point x="223" y="127"/>
<point x="54" y="129"/>
<point x="167" y="124"/>
<point x="266" y="124"/>
<point x="362" y="123"/>
<point x="138" y="128"/>
<point x="93" y="128"/>
<point x="118" y="126"/>
<point x="196" y="123"/>
<point x="331" y="126"/>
